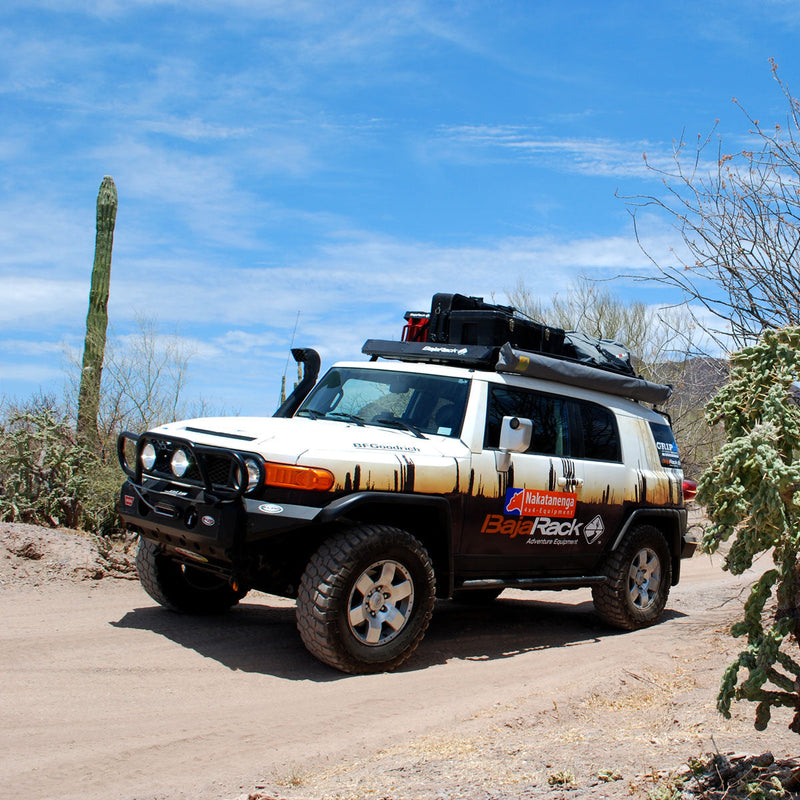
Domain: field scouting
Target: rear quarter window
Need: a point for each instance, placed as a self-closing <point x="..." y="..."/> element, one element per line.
<point x="599" y="429"/>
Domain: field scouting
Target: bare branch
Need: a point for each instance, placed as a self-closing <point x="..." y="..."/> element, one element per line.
<point x="738" y="216"/>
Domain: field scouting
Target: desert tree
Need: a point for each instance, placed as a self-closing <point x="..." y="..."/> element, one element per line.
<point x="145" y="380"/>
<point x="737" y="211"/>
<point x="663" y="343"/>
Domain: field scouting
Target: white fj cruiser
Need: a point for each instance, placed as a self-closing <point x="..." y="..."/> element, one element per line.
<point x="453" y="468"/>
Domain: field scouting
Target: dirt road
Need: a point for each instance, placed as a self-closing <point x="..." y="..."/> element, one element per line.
<point x="105" y="695"/>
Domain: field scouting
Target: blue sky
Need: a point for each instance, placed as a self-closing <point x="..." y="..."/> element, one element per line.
<point x="342" y="160"/>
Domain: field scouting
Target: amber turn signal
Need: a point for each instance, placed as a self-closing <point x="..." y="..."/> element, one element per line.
<point x="289" y="476"/>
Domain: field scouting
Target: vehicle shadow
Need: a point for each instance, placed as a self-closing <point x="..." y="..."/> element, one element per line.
<point x="252" y="637"/>
<point x="257" y="637"/>
<point x="510" y="626"/>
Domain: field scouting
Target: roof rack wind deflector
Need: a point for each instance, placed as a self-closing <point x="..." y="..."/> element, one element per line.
<point x="459" y="355"/>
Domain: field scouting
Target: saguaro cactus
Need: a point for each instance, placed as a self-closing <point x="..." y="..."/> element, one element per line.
<point x="97" y="317"/>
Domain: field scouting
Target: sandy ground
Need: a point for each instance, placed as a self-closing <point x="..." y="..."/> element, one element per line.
<point x="105" y="695"/>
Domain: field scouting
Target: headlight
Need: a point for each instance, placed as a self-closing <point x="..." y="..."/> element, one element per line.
<point x="253" y="473"/>
<point x="148" y="457"/>
<point x="180" y="463"/>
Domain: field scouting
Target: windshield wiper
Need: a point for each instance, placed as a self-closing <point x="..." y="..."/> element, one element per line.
<point x="344" y="417"/>
<point x="394" y="422"/>
<point x="311" y="413"/>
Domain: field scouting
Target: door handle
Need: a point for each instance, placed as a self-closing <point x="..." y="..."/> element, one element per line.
<point x="571" y="482"/>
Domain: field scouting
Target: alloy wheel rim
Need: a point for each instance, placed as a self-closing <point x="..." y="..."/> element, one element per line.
<point x="644" y="578"/>
<point x="380" y="603"/>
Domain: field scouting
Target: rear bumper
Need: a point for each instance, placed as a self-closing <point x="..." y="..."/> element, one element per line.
<point x="689" y="547"/>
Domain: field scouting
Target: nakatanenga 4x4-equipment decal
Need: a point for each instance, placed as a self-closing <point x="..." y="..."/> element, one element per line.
<point x="536" y="503"/>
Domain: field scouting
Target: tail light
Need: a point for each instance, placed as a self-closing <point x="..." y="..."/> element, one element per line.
<point x="689" y="489"/>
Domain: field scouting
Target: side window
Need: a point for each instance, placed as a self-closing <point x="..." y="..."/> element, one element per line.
<point x="600" y="436"/>
<point x="545" y="411"/>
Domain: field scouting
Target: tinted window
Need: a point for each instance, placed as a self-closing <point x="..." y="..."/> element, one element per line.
<point x="545" y="411"/>
<point x="599" y="428"/>
<point x="591" y="432"/>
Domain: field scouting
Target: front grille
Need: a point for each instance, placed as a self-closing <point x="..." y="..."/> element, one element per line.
<point x="218" y="468"/>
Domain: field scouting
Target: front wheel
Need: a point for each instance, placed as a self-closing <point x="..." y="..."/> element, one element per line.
<point x="366" y="599"/>
<point x="181" y="587"/>
<point x="638" y="577"/>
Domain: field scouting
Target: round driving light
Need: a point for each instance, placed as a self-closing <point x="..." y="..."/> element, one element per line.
<point x="148" y="456"/>
<point x="180" y="463"/>
<point x="253" y="473"/>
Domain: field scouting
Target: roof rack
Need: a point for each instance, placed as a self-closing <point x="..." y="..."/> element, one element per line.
<point x="520" y="362"/>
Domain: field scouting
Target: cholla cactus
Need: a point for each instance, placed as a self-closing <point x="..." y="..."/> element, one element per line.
<point x="752" y="494"/>
<point x="97" y="317"/>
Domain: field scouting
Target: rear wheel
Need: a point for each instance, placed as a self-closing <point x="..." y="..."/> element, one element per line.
<point x="366" y="599"/>
<point x="639" y="574"/>
<point x="181" y="587"/>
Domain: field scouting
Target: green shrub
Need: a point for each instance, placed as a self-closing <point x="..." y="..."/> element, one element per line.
<point x="48" y="478"/>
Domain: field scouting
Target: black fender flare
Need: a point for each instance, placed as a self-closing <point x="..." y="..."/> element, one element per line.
<point x="435" y="505"/>
<point x="676" y="523"/>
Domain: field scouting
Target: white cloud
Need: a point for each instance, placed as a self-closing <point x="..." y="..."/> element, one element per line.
<point x="31" y="373"/>
<point x="596" y="157"/>
<point x="238" y="322"/>
<point x="193" y="128"/>
<point x="355" y="271"/>
<point x="23" y="347"/>
<point x="45" y="232"/>
<point x="41" y="301"/>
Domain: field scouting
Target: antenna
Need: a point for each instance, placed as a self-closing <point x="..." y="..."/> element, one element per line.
<point x="286" y="366"/>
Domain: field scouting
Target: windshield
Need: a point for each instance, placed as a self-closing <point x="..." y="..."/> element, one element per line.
<point x="431" y="404"/>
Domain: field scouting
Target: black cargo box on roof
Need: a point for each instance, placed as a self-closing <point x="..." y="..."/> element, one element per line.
<point x="468" y="332"/>
<point x="458" y="319"/>
<point x="536" y="365"/>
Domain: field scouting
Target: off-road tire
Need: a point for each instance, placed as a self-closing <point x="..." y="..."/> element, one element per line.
<point x="638" y="578"/>
<point x="180" y="587"/>
<point x="341" y="616"/>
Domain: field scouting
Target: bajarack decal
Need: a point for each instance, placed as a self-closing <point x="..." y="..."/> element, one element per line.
<point x="452" y="351"/>
<point x="545" y="530"/>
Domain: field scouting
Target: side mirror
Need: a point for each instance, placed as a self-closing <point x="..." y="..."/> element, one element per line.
<point x="515" y="434"/>
<point x="515" y="437"/>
